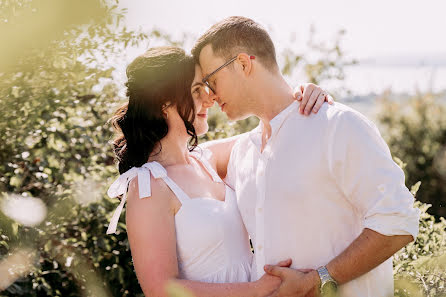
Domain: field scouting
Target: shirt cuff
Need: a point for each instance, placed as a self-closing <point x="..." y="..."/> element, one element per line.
<point x="395" y="224"/>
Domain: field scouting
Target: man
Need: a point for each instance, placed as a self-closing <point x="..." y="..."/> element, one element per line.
<point x="339" y="212"/>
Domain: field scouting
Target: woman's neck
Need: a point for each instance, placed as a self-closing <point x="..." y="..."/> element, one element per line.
<point x="173" y="150"/>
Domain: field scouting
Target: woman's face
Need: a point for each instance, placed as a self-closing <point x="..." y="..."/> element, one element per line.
<point x="203" y="101"/>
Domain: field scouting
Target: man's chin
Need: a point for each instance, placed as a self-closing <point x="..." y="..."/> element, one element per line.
<point x="235" y="117"/>
<point x="230" y="116"/>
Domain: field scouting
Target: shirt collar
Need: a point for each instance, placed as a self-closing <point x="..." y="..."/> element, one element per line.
<point x="278" y="120"/>
<point x="275" y="123"/>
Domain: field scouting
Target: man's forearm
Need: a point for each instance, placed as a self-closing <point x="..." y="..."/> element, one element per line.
<point x="365" y="253"/>
<point x="368" y="251"/>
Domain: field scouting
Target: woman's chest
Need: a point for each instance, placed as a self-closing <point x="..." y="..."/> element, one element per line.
<point x="198" y="184"/>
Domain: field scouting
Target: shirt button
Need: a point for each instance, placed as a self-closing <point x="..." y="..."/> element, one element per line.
<point x="259" y="247"/>
<point x="259" y="209"/>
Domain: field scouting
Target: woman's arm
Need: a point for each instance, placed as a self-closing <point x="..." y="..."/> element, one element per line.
<point x="151" y="233"/>
<point x="221" y="152"/>
<point x="251" y="289"/>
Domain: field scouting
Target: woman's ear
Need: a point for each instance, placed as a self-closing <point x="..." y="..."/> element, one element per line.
<point x="165" y="110"/>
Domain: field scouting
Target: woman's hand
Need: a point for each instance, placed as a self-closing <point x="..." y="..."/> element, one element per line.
<point x="267" y="284"/>
<point x="311" y="98"/>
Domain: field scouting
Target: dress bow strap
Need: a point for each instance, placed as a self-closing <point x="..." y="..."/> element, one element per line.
<point x="120" y="186"/>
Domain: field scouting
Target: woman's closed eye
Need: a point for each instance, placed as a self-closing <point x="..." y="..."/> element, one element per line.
<point x="196" y="91"/>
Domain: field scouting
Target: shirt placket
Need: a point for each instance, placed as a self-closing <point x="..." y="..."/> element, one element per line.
<point x="260" y="213"/>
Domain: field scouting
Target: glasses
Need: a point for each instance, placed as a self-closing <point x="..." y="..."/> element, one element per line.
<point x="205" y="80"/>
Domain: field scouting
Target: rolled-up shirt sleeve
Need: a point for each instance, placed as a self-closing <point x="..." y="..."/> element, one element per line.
<point x="361" y="163"/>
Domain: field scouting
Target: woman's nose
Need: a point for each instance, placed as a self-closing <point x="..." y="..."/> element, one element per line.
<point x="209" y="99"/>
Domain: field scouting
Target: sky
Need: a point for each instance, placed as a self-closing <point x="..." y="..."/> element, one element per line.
<point x="385" y="33"/>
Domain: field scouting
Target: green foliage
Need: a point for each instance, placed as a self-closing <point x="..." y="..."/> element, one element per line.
<point x="326" y="62"/>
<point x="415" y="131"/>
<point x="420" y="267"/>
<point x="56" y="96"/>
<point x="221" y="127"/>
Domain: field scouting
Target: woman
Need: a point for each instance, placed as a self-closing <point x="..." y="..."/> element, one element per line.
<point x="189" y="230"/>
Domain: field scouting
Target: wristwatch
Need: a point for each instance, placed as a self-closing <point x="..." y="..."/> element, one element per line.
<point x="329" y="286"/>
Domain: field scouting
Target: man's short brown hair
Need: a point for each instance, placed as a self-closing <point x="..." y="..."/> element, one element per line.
<point x="238" y="34"/>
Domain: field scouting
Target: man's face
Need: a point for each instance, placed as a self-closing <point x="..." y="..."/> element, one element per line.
<point x="227" y="83"/>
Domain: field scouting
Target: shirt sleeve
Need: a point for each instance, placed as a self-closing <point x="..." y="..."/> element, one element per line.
<point x="361" y="163"/>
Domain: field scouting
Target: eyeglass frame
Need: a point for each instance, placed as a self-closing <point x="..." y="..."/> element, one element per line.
<point x="206" y="78"/>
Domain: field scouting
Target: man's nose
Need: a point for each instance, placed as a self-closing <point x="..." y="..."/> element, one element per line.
<point x="213" y="97"/>
<point x="210" y="99"/>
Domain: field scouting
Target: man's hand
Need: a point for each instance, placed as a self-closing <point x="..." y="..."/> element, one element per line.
<point x="268" y="283"/>
<point x="312" y="97"/>
<point x="295" y="283"/>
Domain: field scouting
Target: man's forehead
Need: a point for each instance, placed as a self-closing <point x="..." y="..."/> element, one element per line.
<point x="207" y="52"/>
<point x="208" y="59"/>
<point x="198" y="70"/>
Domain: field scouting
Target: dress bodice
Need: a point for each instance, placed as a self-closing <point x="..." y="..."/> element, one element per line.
<point x="212" y="242"/>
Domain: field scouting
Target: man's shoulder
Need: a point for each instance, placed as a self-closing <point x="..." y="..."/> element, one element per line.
<point x="336" y="109"/>
<point x="244" y="139"/>
<point x="341" y="112"/>
<point x="344" y="120"/>
<point x="331" y="119"/>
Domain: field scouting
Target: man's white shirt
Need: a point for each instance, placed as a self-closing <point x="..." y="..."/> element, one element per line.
<point x="318" y="183"/>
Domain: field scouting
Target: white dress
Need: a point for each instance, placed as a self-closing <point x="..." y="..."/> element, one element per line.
<point x="212" y="242"/>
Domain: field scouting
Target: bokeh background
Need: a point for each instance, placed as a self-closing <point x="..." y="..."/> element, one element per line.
<point x="62" y="74"/>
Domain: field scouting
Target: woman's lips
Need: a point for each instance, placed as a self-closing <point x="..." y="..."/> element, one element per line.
<point x="202" y="115"/>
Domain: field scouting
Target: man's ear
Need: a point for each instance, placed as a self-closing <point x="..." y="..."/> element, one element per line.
<point x="245" y="61"/>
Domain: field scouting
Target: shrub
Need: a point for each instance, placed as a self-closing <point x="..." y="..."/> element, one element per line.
<point x="415" y="131"/>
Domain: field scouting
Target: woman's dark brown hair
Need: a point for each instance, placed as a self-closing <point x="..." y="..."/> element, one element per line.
<point x="159" y="77"/>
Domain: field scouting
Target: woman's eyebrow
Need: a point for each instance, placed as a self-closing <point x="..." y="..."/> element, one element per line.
<point x="198" y="83"/>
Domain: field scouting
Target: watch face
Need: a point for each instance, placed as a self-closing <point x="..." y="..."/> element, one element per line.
<point x="329" y="289"/>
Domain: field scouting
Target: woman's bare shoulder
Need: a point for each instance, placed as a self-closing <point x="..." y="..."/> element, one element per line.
<point x="161" y="196"/>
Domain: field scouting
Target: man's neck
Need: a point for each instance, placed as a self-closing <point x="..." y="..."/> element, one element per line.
<point x="271" y="98"/>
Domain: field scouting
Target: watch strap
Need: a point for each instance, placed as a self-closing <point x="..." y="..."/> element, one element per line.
<point x="325" y="277"/>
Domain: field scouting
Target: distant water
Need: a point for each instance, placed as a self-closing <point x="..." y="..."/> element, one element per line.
<point x="366" y="79"/>
<point x="366" y="82"/>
